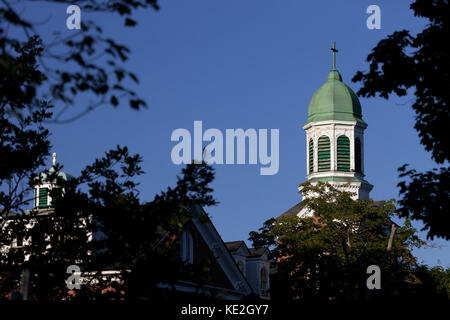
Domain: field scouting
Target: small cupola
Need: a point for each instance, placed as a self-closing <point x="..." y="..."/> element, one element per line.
<point x="49" y="188"/>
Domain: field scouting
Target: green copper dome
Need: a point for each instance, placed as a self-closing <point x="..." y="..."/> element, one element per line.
<point x="334" y="100"/>
<point x="44" y="176"/>
<point x="64" y="176"/>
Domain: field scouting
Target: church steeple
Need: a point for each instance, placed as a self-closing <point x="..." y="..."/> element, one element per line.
<point x="335" y="135"/>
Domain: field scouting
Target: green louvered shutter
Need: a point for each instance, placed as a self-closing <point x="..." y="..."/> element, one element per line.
<point x="43" y="197"/>
<point x="323" y="155"/>
<point x="343" y="153"/>
<point x="358" y="166"/>
<point x="311" y="156"/>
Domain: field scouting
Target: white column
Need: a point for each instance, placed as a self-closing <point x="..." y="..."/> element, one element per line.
<point x="315" y="151"/>
<point x="333" y="151"/>
<point x="362" y="152"/>
<point x="352" y="149"/>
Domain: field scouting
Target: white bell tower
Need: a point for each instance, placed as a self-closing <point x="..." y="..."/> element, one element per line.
<point x="335" y="136"/>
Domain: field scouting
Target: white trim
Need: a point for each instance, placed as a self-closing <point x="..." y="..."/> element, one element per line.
<point x="326" y="122"/>
<point x="333" y="129"/>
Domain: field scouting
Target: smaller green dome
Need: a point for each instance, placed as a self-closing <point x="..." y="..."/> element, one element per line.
<point x="334" y="100"/>
<point x="45" y="176"/>
<point x="64" y="176"/>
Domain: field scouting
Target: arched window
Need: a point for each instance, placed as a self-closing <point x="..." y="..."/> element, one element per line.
<point x="358" y="167"/>
<point x="263" y="281"/>
<point x="343" y="153"/>
<point x="311" y="156"/>
<point x="323" y="154"/>
<point x="187" y="247"/>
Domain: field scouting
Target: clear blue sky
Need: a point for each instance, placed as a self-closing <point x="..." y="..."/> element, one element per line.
<point x="244" y="64"/>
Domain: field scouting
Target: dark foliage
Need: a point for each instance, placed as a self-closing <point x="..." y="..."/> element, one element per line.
<point x="404" y="61"/>
<point x="99" y="223"/>
<point x="324" y="258"/>
<point x="24" y="141"/>
<point x="85" y="62"/>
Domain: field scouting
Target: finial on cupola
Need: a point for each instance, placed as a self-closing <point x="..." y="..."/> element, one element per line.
<point x="54" y="158"/>
<point x="333" y="48"/>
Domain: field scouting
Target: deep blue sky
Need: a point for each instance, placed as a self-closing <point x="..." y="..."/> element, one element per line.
<point x="244" y="64"/>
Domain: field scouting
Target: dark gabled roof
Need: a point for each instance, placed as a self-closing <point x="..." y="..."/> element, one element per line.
<point x="294" y="210"/>
<point x="257" y="252"/>
<point x="234" y="245"/>
<point x="200" y="209"/>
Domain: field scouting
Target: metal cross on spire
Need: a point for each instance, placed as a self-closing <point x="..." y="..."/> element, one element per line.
<point x="334" y="54"/>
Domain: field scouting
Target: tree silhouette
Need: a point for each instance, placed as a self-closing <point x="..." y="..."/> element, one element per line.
<point x="403" y="61"/>
<point x="100" y="223"/>
<point x="85" y="62"/>
<point x="324" y="257"/>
